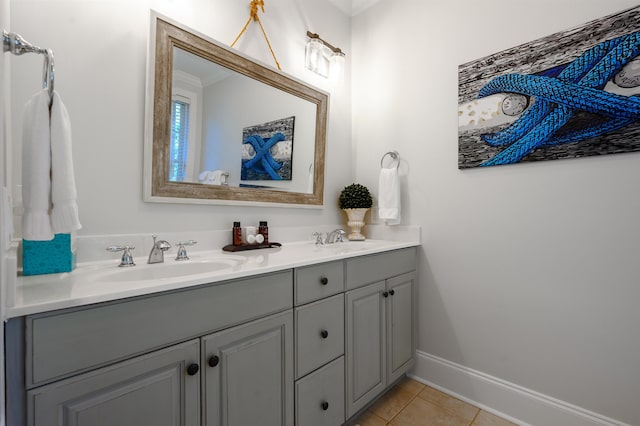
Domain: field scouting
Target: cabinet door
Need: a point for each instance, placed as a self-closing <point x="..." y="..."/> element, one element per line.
<point x="248" y="374"/>
<point x="366" y="361"/>
<point x="156" y="389"/>
<point x="401" y="323"/>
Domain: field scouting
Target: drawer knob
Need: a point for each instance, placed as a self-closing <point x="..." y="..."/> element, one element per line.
<point x="325" y="405"/>
<point x="213" y="361"/>
<point x="193" y="369"/>
<point x="324" y="334"/>
<point x="392" y="292"/>
<point x="385" y="294"/>
<point x="324" y="280"/>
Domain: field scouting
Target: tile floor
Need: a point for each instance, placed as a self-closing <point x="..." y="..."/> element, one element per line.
<point x="410" y="403"/>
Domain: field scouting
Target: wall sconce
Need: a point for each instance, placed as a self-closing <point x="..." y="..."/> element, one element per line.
<point x="322" y="58"/>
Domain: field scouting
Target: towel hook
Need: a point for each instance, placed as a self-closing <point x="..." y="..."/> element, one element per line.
<point x="394" y="155"/>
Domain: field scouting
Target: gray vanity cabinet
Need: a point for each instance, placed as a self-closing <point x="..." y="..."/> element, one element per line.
<point x="145" y="360"/>
<point x="153" y="389"/>
<point x="248" y="374"/>
<point x="380" y="324"/>
<point x="309" y="346"/>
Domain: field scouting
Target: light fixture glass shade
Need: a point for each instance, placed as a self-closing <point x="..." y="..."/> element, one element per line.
<point x="313" y="52"/>
<point x="317" y="57"/>
<point x="336" y="66"/>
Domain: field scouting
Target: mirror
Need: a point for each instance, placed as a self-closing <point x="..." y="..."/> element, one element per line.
<point x="224" y="129"/>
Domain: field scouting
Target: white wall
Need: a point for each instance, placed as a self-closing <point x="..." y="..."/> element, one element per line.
<point x="100" y="49"/>
<point x="529" y="273"/>
<point x="4" y="118"/>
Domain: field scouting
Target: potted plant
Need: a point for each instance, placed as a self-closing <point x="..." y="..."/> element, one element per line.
<point x="355" y="200"/>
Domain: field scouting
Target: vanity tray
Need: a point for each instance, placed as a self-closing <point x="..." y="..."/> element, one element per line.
<point x="243" y="247"/>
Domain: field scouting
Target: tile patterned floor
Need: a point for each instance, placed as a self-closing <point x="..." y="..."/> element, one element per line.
<point x="410" y="403"/>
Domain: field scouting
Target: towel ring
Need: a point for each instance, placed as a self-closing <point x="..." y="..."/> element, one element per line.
<point x="394" y="155"/>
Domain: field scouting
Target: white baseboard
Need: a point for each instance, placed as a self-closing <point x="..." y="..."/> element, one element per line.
<point x="519" y="405"/>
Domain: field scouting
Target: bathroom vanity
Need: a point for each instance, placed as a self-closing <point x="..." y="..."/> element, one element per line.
<point x="310" y="340"/>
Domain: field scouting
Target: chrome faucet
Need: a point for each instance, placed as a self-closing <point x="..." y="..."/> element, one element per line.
<point x="335" y="236"/>
<point x="157" y="251"/>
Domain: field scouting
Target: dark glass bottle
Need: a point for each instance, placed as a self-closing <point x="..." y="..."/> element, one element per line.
<point x="263" y="230"/>
<point x="237" y="234"/>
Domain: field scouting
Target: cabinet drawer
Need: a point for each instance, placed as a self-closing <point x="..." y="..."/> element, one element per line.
<point x="369" y="269"/>
<point x="320" y="396"/>
<point x="319" y="333"/>
<point x="318" y="281"/>
<point x="68" y="342"/>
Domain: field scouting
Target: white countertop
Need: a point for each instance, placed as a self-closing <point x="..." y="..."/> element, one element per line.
<point x="94" y="282"/>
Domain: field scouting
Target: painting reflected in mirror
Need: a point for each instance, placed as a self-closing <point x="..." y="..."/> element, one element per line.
<point x="222" y="128"/>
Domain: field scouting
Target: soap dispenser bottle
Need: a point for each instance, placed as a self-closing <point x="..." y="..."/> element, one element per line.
<point x="263" y="230"/>
<point x="237" y="234"/>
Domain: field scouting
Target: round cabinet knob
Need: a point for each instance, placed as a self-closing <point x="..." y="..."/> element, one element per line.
<point x="385" y="294"/>
<point x="213" y="361"/>
<point x="392" y="292"/>
<point x="325" y="405"/>
<point x="193" y="369"/>
<point x="324" y="280"/>
<point x="324" y="334"/>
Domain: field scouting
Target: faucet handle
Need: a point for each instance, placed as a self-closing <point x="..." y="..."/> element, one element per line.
<point x="182" y="252"/>
<point x="127" y="258"/>
<point x="340" y="235"/>
<point x="319" y="238"/>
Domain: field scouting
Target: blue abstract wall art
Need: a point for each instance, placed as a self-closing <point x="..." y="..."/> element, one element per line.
<point x="572" y="94"/>
<point x="267" y="150"/>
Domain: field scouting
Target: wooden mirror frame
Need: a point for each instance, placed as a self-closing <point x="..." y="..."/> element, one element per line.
<point x="157" y="187"/>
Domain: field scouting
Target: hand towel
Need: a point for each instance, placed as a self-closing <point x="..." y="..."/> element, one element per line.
<point x="48" y="184"/>
<point x="64" y="214"/>
<point x="209" y="177"/>
<point x="36" y="167"/>
<point x="389" y="196"/>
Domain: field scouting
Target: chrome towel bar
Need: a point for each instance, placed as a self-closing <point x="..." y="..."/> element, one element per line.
<point x="14" y="43"/>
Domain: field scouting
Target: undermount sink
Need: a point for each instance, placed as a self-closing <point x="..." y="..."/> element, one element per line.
<point x="347" y="246"/>
<point x="171" y="269"/>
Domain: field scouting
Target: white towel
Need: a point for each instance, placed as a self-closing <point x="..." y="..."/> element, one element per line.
<point x="64" y="215"/>
<point x="209" y="177"/>
<point x="389" y="196"/>
<point x="36" y="166"/>
<point x="48" y="185"/>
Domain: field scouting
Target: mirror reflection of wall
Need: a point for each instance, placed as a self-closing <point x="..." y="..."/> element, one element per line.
<point x="211" y="105"/>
